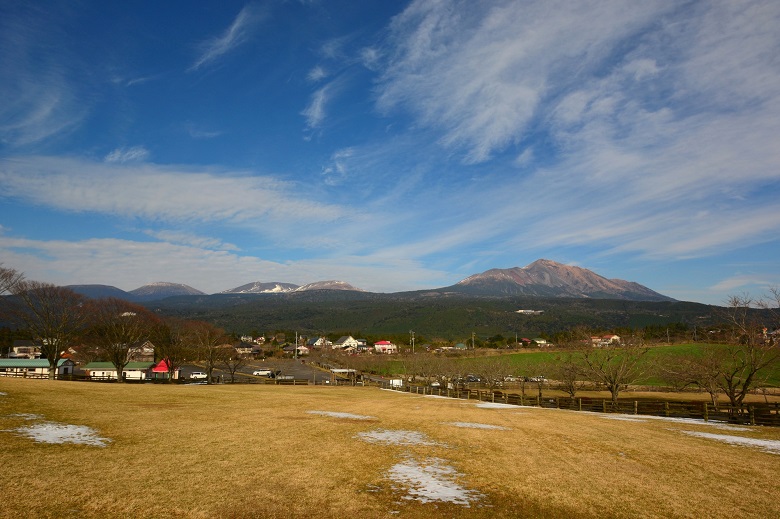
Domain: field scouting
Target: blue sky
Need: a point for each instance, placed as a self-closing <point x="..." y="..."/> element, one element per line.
<point x="393" y="145"/>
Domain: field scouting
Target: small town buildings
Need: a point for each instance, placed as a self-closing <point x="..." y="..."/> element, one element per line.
<point x="107" y="371"/>
<point x="605" y="340"/>
<point x="346" y="342"/>
<point x="385" y="347"/>
<point x="244" y="348"/>
<point x="290" y="348"/>
<point x="24" y="349"/>
<point x="141" y="352"/>
<point x="319" y="342"/>
<point x="33" y="368"/>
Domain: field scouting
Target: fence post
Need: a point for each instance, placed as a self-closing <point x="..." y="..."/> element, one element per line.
<point x="493" y="396"/>
<point x="579" y="403"/>
<point x="706" y="413"/>
<point x="666" y="409"/>
<point x="604" y="404"/>
<point x="752" y="411"/>
<point x="636" y="407"/>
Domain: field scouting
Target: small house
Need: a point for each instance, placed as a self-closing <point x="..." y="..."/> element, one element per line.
<point x="385" y="347"/>
<point x="107" y="371"/>
<point x="33" y="368"/>
<point x="346" y="342"/>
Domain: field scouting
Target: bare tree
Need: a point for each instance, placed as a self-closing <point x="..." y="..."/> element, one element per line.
<point x="53" y="315"/>
<point x="568" y="371"/>
<point x="232" y="363"/>
<point x="745" y="361"/>
<point x="209" y="342"/>
<point x="495" y="370"/>
<point x="615" y="366"/>
<point x="116" y="327"/>
<point x="171" y="340"/>
<point x="9" y="279"/>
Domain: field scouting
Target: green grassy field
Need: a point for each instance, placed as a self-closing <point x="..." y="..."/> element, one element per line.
<point x="534" y="362"/>
<point x="304" y="451"/>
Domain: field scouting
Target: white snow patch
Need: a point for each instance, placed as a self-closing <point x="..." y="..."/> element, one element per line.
<point x="397" y="437"/>
<point x="431" y="480"/>
<point x="50" y="432"/>
<point x="685" y="421"/>
<point x="3" y="393"/>
<point x="26" y="416"/>
<point x="770" y="446"/>
<point x="348" y="416"/>
<point x="496" y="405"/>
<point x="622" y="418"/>
<point x="470" y="425"/>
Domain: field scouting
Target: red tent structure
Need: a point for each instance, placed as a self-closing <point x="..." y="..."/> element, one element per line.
<point x="161" y="372"/>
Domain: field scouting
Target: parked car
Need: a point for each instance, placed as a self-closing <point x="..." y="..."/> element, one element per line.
<point x="262" y="372"/>
<point x="198" y="375"/>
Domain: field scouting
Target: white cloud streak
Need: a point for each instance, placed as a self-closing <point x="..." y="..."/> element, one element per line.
<point x="148" y="191"/>
<point x="133" y="154"/>
<point x="234" y="36"/>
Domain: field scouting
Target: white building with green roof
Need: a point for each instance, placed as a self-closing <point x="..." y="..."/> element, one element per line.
<point x="33" y="368"/>
<point x="107" y="371"/>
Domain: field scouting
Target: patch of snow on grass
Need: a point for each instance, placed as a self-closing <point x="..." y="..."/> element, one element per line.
<point x="622" y="418"/>
<point x="50" y="432"/>
<point x="397" y="437"/>
<point x="348" y="416"/>
<point x="3" y="393"/>
<point x="26" y="416"/>
<point x="496" y="405"/>
<point x="431" y="480"/>
<point x="470" y="425"/>
<point x="771" y="446"/>
<point x="685" y="421"/>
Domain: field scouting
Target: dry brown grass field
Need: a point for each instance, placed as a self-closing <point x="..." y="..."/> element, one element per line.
<point x="283" y="451"/>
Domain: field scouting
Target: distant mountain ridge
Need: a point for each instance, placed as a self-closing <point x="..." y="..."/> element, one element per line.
<point x="546" y="278"/>
<point x="542" y="278"/>
<point x="258" y="287"/>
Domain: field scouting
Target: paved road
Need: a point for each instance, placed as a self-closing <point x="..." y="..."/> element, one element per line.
<point x="299" y="369"/>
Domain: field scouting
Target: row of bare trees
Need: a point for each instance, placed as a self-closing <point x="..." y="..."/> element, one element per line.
<point x="745" y="362"/>
<point x="109" y="329"/>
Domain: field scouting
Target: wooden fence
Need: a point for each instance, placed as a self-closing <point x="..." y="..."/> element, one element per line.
<point x="767" y="414"/>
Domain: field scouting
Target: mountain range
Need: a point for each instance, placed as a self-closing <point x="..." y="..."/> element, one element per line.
<point x="542" y="278"/>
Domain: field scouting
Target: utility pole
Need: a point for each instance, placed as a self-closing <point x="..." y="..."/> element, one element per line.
<point x="472" y="340"/>
<point x="411" y="333"/>
<point x="295" y="354"/>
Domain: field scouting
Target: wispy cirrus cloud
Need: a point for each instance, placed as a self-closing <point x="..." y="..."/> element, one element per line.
<point x="190" y="239"/>
<point x="235" y="35"/>
<point x="132" y="154"/>
<point x="41" y="101"/>
<point x="317" y="74"/>
<point x="315" y="112"/>
<point x="636" y="145"/>
<point x="166" y="193"/>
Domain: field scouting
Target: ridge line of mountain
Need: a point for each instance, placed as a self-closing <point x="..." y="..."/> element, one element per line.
<point x="543" y="278"/>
